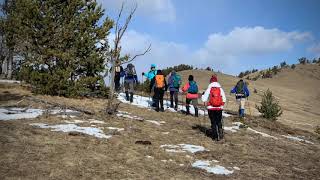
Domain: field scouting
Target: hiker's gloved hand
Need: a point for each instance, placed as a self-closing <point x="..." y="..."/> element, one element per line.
<point x="142" y="73"/>
<point x="202" y="93"/>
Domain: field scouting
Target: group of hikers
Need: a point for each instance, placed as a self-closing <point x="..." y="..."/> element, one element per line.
<point x="213" y="97"/>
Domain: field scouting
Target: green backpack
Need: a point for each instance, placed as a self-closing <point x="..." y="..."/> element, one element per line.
<point x="176" y="81"/>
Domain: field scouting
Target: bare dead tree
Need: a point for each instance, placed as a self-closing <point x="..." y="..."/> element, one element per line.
<point x="115" y="54"/>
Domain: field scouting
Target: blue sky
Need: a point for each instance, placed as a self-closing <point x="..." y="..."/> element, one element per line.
<point x="227" y="35"/>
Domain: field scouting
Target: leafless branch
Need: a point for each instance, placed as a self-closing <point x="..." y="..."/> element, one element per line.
<point x="137" y="55"/>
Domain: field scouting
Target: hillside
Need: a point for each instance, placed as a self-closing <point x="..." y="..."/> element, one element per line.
<point x="42" y="141"/>
<point x="296" y="89"/>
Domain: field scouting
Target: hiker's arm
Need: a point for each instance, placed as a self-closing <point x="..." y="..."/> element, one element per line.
<point x="247" y="91"/>
<point x="224" y="99"/>
<point x="205" y="96"/>
<point x="234" y="90"/>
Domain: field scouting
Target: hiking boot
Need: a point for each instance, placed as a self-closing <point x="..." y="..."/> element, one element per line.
<point x="131" y="97"/>
<point x="127" y="96"/>
<point x="162" y="109"/>
<point x="157" y="109"/>
<point x="188" y="110"/>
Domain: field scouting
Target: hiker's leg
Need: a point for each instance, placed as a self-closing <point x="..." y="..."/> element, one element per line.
<point x="171" y="98"/>
<point x="126" y="87"/>
<point x="219" y="124"/>
<point x="215" y="129"/>
<point x="161" y="94"/>
<point x="156" y="98"/>
<point x="195" y="105"/>
<point x="176" y="99"/>
<point x="211" y="116"/>
<point x="188" y="105"/>
<point x="242" y="104"/>
<point x="239" y="104"/>
<point x="131" y="84"/>
<point x="117" y="82"/>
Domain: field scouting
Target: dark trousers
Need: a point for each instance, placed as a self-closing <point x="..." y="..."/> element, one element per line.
<point x="216" y="123"/>
<point x="117" y="82"/>
<point x="174" y="96"/>
<point x="158" y="95"/>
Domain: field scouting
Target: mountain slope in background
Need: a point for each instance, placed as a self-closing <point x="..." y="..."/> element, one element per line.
<point x="296" y="89"/>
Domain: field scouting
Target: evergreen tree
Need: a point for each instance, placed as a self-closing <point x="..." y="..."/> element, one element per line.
<point x="62" y="44"/>
<point x="269" y="108"/>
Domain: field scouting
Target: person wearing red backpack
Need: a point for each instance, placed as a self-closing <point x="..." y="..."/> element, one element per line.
<point x="215" y="98"/>
<point x="159" y="85"/>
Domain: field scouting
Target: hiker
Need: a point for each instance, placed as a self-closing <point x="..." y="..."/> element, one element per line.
<point x="174" y="82"/>
<point x="150" y="75"/>
<point x="130" y="79"/>
<point x="192" y="95"/>
<point x="242" y="92"/>
<point x="160" y="86"/>
<point x="215" y="98"/>
<point x="117" y="76"/>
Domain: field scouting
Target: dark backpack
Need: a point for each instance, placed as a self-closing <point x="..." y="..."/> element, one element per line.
<point x="240" y="88"/>
<point x="176" y="80"/>
<point x="193" y="89"/>
<point x="131" y="72"/>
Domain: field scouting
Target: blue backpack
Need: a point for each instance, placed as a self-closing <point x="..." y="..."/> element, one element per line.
<point x="176" y="81"/>
<point x="193" y="89"/>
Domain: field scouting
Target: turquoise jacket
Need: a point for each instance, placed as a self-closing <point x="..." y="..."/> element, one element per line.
<point x="151" y="74"/>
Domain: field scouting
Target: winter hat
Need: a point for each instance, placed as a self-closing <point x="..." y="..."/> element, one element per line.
<point x="190" y="78"/>
<point x="213" y="79"/>
<point x="153" y="66"/>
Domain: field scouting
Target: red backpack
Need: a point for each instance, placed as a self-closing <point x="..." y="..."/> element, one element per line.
<point x="215" y="97"/>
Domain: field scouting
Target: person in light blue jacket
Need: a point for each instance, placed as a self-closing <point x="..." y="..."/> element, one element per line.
<point x="150" y="75"/>
<point x="242" y="92"/>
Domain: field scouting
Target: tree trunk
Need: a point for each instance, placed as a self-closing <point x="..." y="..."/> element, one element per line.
<point x="10" y="62"/>
<point x="110" y="110"/>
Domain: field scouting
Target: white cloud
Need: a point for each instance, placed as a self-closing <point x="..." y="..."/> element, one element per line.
<point x="253" y="41"/>
<point x="315" y="49"/>
<point x="221" y="52"/>
<point x="160" y="10"/>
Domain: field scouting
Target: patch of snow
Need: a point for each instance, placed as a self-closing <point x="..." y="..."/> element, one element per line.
<point x="62" y="111"/>
<point x="149" y="157"/>
<point x="156" y="122"/>
<point x="164" y="161"/>
<point x="123" y="112"/>
<point x="73" y="128"/>
<point x="115" y="128"/>
<point x="261" y="133"/>
<point x="74" y="121"/>
<point x="19" y="113"/>
<point x="234" y="128"/>
<point x="9" y="81"/>
<point x="211" y="168"/>
<point x="146" y="102"/>
<point x="93" y="121"/>
<point x="294" y="138"/>
<point x="236" y="168"/>
<point x="165" y="133"/>
<point x="130" y="116"/>
<point x="181" y="148"/>
<point x="181" y="165"/>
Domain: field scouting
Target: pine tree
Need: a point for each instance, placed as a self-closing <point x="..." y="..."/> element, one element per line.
<point x="61" y="44"/>
<point x="270" y="108"/>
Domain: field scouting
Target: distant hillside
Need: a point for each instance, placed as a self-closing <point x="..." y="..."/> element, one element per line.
<point x="296" y="89"/>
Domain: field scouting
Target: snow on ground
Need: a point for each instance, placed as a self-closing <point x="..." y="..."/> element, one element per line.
<point x="211" y="167"/>
<point x="234" y="128"/>
<point x="115" y="128"/>
<point x="294" y="138"/>
<point x="156" y="122"/>
<point x="66" y="116"/>
<point x="9" y="81"/>
<point x="181" y="148"/>
<point x="97" y="132"/>
<point x="145" y="102"/>
<point x="261" y="133"/>
<point x="165" y="133"/>
<point x="19" y="113"/>
<point x="93" y="121"/>
<point x="129" y="116"/>
<point x="74" y="122"/>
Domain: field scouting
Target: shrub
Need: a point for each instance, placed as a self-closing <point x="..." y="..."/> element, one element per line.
<point x="293" y="66"/>
<point x="302" y="60"/>
<point x="283" y="64"/>
<point x="270" y="108"/>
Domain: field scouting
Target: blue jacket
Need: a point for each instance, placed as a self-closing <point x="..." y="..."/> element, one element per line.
<point x="170" y="83"/>
<point x="151" y="74"/>
<point x="246" y="92"/>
